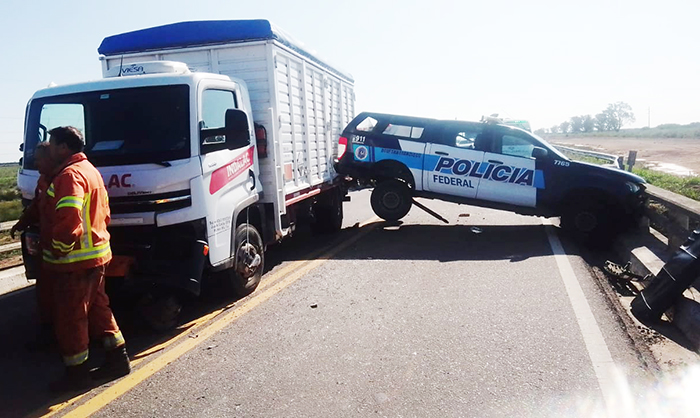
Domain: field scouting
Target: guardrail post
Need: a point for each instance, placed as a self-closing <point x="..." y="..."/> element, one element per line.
<point x="631" y="159"/>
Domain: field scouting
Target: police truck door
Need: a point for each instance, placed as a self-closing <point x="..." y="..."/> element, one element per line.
<point x="451" y="164"/>
<point x="512" y="177"/>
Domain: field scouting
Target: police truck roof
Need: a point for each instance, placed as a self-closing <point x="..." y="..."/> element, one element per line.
<point x="205" y="32"/>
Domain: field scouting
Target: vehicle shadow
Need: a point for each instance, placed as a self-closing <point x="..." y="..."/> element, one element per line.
<point x="23" y="389"/>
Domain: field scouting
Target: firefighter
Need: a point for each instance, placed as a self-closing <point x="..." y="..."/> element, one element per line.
<point x="76" y="251"/>
<point x="30" y="217"/>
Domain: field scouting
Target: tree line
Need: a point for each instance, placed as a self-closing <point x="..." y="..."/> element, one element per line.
<point x="613" y="118"/>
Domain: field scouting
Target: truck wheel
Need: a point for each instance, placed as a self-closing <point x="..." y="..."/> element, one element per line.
<point x="161" y="311"/>
<point x="328" y="214"/>
<point x="249" y="252"/>
<point x="391" y="200"/>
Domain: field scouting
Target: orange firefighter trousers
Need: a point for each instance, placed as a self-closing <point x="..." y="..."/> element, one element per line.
<point x="81" y="310"/>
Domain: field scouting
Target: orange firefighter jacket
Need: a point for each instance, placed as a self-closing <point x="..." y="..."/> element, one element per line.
<point x="74" y="233"/>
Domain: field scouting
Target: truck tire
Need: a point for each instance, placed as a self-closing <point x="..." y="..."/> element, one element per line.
<point x="391" y="200"/>
<point x="328" y="214"/>
<point x="245" y="276"/>
<point x="161" y="311"/>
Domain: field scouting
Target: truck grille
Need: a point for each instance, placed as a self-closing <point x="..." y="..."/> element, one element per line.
<point x="163" y="202"/>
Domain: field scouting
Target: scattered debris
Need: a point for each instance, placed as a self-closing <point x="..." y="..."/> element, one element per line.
<point x="623" y="272"/>
<point x="314" y="306"/>
<point x="212" y="346"/>
<point x="476" y="230"/>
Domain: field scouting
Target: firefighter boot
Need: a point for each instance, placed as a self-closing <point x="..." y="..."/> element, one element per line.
<point x="115" y="366"/>
<point x="76" y="378"/>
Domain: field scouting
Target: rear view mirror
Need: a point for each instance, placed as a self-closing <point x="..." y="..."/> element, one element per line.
<point x="539" y="153"/>
<point x="237" y="129"/>
<point x="235" y="134"/>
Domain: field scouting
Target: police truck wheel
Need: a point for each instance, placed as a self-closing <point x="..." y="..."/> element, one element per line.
<point x="391" y="200"/>
<point x="590" y="223"/>
<point x="249" y="253"/>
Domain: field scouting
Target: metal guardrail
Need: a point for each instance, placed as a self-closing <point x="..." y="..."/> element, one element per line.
<point x="615" y="160"/>
<point x="4" y="227"/>
<point x="679" y="216"/>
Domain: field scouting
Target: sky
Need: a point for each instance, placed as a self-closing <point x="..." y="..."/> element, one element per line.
<point x="544" y="61"/>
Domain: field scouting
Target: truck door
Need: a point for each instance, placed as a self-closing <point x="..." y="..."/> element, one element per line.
<point x="509" y="174"/>
<point x="452" y="162"/>
<point x="229" y="176"/>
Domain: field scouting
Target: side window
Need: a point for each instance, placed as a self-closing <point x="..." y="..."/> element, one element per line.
<point x="516" y="146"/>
<point x="366" y="125"/>
<point x="54" y="115"/>
<point x="461" y="136"/>
<point x="413" y="132"/>
<point x="215" y="103"/>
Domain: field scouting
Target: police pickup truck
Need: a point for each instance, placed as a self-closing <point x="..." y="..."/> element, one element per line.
<point x="484" y="164"/>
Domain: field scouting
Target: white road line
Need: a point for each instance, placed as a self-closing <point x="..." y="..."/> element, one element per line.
<point x="598" y="352"/>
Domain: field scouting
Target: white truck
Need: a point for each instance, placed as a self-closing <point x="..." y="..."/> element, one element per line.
<point x="214" y="139"/>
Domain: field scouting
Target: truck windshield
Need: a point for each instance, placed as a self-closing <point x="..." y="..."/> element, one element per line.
<point x="122" y="126"/>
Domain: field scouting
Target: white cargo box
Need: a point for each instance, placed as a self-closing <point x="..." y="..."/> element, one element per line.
<point x="303" y="102"/>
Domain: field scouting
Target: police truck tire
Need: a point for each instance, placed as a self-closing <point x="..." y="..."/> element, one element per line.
<point x="590" y="223"/>
<point x="242" y="279"/>
<point x="391" y="200"/>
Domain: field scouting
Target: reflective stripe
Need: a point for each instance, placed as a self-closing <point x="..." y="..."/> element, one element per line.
<point x="50" y="191"/>
<point x="113" y="341"/>
<point x="70" y="202"/>
<point x="77" y="359"/>
<point x="61" y="246"/>
<point x="87" y="227"/>
<point x="79" y="255"/>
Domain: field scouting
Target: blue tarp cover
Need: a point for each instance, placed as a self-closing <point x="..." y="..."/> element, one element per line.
<point x="200" y="33"/>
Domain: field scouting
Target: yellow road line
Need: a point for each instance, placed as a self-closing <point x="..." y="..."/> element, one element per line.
<point x="193" y="326"/>
<point x="301" y="268"/>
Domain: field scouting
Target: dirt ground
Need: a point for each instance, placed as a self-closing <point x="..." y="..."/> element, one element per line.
<point x="683" y="152"/>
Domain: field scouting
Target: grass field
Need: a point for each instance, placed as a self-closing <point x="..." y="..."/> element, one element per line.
<point x="686" y="186"/>
<point x="10" y="198"/>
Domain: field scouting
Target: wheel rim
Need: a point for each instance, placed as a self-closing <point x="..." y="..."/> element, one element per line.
<point x="391" y="200"/>
<point x="248" y="257"/>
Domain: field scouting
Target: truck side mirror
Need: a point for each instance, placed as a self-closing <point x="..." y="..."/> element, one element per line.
<point x="538" y="153"/>
<point x="235" y="133"/>
<point x="237" y="129"/>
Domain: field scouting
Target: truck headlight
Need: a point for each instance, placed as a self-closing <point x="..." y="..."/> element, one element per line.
<point x="634" y="187"/>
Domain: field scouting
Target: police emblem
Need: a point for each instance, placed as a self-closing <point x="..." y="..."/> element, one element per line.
<point x="361" y="153"/>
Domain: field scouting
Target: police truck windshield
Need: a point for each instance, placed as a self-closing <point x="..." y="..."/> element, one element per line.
<point x="123" y="126"/>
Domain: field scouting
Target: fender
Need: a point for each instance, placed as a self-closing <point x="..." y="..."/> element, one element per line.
<point x="238" y="210"/>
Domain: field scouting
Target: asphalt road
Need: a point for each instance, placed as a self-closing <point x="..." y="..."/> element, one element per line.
<point x="472" y="318"/>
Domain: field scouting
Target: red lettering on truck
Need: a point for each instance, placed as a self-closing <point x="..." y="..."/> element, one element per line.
<point x="224" y="175"/>
<point x="116" y="181"/>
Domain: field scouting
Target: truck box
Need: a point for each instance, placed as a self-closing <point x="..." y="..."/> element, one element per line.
<point x="302" y="101"/>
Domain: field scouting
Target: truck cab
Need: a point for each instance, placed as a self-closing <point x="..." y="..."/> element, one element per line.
<point x="177" y="156"/>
